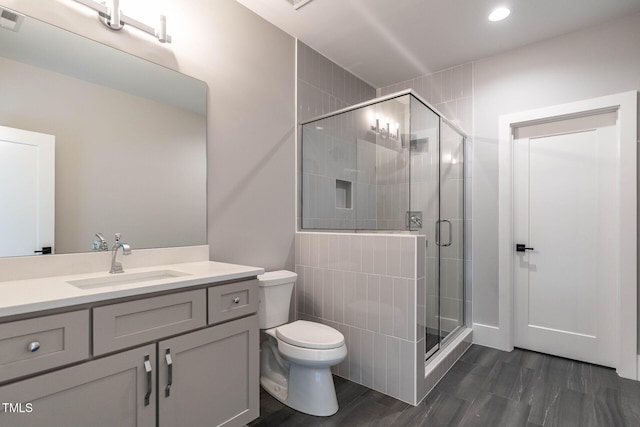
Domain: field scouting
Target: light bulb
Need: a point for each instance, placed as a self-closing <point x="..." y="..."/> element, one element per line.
<point x="499" y="14"/>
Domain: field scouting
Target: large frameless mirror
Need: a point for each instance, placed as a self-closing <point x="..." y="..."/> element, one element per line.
<point x="130" y="145"/>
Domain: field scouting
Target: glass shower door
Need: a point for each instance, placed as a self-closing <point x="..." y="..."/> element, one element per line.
<point x="425" y="210"/>
<point x="451" y="230"/>
<point x="437" y="201"/>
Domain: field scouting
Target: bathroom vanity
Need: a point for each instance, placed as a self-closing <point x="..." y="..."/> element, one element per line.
<point x="169" y="345"/>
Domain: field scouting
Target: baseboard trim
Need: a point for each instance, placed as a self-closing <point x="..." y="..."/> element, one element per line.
<point x="489" y="336"/>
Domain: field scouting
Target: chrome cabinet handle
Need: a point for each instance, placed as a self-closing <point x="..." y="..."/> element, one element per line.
<point x="147" y="368"/>
<point x="167" y="357"/>
<point x="236" y="300"/>
<point x="34" y="346"/>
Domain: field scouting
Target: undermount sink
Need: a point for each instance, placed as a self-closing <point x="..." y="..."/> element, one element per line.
<point x="125" y="279"/>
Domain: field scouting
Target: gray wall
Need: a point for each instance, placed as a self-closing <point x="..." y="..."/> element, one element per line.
<point x="595" y="62"/>
<point x="249" y="67"/>
<point x="251" y="158"/>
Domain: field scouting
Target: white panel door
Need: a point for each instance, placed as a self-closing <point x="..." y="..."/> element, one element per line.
<point x="27" y="190"/>
<point x="566" y="197"/>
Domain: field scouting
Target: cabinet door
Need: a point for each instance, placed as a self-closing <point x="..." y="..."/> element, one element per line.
<point x="213" y="375"/>
<point x="105" y="392"/>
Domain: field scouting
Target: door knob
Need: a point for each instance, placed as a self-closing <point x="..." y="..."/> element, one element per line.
<point x="522" y="247"/>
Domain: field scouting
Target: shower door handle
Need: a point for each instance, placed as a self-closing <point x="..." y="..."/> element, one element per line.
<point x="438" y="224"/>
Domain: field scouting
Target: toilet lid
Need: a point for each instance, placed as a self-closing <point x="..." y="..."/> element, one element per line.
<point x="310" y="335"/>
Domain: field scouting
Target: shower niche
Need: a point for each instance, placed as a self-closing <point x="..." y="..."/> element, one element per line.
<point x="343" y="194"/>
<point x="380" y="182"/>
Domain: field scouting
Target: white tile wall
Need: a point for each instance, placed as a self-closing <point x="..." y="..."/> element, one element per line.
<point x="393" y="367"/>
<point x="367" y="289"/>
<point x="366" y="355"/>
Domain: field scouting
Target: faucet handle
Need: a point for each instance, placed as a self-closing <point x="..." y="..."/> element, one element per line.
<point x="118" y="235"/>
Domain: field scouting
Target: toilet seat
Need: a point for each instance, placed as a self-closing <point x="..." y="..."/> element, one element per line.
<point x="311" y="357"/>
<point x="310" y="335"/>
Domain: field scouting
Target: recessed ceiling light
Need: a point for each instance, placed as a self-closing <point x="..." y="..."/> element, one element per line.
<point x="499" y="14"/>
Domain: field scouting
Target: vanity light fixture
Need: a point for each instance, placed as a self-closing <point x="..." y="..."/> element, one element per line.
<point x="111" y="15"/>
<point x="499" y="14"/>
<point x="382" y="126"/>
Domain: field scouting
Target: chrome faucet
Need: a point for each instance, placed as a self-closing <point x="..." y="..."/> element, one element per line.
<point x="116" y="267"/>
<point x="102" y="245"/>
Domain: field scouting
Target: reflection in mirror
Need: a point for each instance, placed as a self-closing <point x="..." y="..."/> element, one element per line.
<point x="130" y="142"/>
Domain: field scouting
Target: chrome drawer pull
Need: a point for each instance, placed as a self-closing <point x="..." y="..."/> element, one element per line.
<point x="34" y="346"/>
<point x="236" y="300"/>
<point x="148" y="370"/>
<point x="167" y="357"/>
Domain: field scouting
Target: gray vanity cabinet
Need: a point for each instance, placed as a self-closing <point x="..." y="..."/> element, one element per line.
<point x="103" y="392"/>
<point x="204" y="342"/>
<point x="210" y="377"/>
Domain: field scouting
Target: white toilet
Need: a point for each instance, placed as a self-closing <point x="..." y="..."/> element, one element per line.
<point x="295" y="358"/>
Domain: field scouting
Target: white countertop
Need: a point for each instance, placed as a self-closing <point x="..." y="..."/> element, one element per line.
<point x="25" y="296"/>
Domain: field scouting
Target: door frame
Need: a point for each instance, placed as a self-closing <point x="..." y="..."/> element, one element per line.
<point x="626" y="105"/>
<point x="46" y="178"/>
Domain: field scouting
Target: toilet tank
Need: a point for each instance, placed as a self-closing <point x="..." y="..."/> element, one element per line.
<point x="275" y="297"/>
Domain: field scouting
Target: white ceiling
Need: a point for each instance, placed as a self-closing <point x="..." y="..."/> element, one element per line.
<point x="388" y="41"/>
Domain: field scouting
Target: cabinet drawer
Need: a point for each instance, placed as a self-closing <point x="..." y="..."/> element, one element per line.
<point x="131" y="323"/>
<point x="233" y="300"/>
<point x="54" y="340"/>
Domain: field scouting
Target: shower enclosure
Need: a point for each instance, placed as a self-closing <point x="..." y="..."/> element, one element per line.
<point x="394" y="165"/>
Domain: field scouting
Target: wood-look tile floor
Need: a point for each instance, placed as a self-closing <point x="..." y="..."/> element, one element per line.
<point x="487" y="388"/>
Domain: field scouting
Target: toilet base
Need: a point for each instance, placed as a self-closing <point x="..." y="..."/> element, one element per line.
<point x="274" y="389"/>
<point x="310" y="390"/>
